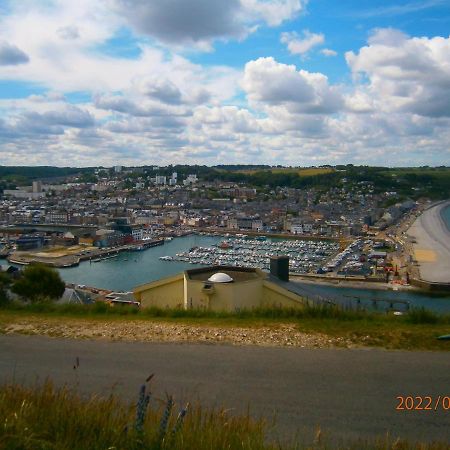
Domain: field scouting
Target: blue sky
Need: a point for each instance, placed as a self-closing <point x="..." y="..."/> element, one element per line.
<point x="291" y="82"/>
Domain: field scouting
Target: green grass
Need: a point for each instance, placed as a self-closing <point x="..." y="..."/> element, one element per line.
<point x="416" y="330"/>
<point x="44" y="418"/>
<point x="302" y="172"/>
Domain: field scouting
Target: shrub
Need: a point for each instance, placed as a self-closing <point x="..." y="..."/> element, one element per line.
<point x="38" y="283"/>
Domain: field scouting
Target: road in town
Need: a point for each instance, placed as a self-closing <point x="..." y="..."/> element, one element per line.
<point x="348" y="393"/>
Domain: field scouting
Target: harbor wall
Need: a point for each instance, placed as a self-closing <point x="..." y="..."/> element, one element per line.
<point x="430" y="286"/>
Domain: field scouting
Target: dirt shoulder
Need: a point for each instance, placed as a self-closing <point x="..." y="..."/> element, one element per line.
<point x="281" y="335"/>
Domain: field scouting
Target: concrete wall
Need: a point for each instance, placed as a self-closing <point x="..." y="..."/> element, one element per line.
<point x="276" y="296"/>
<point x="224" y="296"/>
<point x="167" y="293"/>
<point x="430" y="285"/>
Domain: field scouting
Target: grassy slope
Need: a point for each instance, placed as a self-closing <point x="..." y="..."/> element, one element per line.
<point x="416" y="331"/>
<point x="72" y="422"/>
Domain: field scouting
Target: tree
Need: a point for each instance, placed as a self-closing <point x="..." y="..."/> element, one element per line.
<point x="39" y="282"/>
<point x="4" y="283"/>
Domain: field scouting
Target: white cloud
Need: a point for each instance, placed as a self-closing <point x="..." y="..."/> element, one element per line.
<point x="410" y="75"/>
<point x="301" y="45"/>
<point x="274" y="12"/>
<point x="268" y="82"/>
<point x="328" y="52"/>
<point x="159" y="107"/>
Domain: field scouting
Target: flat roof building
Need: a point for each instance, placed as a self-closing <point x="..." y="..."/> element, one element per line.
<point x="217" y="288"/>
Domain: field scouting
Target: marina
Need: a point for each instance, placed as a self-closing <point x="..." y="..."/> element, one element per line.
<point x="305" y="256"/>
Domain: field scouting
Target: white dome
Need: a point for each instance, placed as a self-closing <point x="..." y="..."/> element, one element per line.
<point x="220" y="277"/>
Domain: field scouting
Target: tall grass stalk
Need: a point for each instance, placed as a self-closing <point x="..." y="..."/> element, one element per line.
<point x="44" y="418"/>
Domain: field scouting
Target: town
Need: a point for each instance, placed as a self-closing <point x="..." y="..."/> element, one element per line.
<point x="131" y="208"/>
<point x="147" y="202"/>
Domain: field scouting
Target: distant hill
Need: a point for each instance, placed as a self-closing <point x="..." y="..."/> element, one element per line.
<point x="39" y="172"/>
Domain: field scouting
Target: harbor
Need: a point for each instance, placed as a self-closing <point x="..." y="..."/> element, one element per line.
<point x="132" y="268"/>
<point x="305" y="255"/>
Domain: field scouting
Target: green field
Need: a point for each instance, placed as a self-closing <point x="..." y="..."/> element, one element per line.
<point x="303" y="172"/>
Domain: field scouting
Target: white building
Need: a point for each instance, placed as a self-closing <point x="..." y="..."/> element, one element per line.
<point x="160" y="180"/>
<point x="191" y="179"/>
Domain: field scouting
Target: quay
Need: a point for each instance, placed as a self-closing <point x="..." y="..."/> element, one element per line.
<point x="72" y="256"/>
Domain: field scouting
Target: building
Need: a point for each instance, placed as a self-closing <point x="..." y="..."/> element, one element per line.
<point x="218" y="288"/>
<point x="160" y="180"/>
<point x="191" y="179"/>
<point x="36" y="187"/>
<point x="245" y="223"/>
<point x="26" y="242"/>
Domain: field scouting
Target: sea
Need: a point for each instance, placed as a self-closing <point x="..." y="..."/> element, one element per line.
<point x="131" y="269"/>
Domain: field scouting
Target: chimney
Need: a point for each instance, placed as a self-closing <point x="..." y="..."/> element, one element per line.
<point x="279" y="267"/>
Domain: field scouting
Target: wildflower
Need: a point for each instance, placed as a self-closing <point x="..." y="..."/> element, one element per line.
<point x="141" y="409"/>
<point x="165" y="418"/>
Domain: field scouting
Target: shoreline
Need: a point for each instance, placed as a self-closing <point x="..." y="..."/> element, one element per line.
<point x="430" y="239"/>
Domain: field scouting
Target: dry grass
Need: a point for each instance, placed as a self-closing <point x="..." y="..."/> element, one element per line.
<point x="44" y="418"/>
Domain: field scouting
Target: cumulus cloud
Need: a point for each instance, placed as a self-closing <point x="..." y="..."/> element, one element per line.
<point x="184" y="21"/>
<point x="269" y="82"/>
<point x="10" y="55"/>
<point x="410" y="75"/>
<point x="162" y="90"/>
<point x="301" y="45"/>
<point x="187" y="22"/>
<point x="328" y="52"/>
<point x="55" y="121"/>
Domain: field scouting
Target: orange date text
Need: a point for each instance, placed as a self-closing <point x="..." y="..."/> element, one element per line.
<point x="423" y="403"/>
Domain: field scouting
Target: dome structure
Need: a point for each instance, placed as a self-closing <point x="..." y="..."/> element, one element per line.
<point x="220" y="277"/>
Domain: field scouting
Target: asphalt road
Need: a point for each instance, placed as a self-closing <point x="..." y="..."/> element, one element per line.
<point x="349" y="393"/>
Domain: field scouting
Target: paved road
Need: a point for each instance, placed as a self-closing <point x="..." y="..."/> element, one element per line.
<point x="346" y="392"/>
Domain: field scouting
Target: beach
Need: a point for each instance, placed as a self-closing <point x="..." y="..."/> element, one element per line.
<point x="431" y="243"/>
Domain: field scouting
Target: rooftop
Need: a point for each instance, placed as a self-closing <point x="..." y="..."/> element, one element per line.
<point x="236" y="273"/>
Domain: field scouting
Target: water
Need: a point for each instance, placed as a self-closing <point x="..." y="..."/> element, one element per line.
<point x="445" y="213"/>
<point x="349" y="297"/>
<point x="131" y="269"/>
